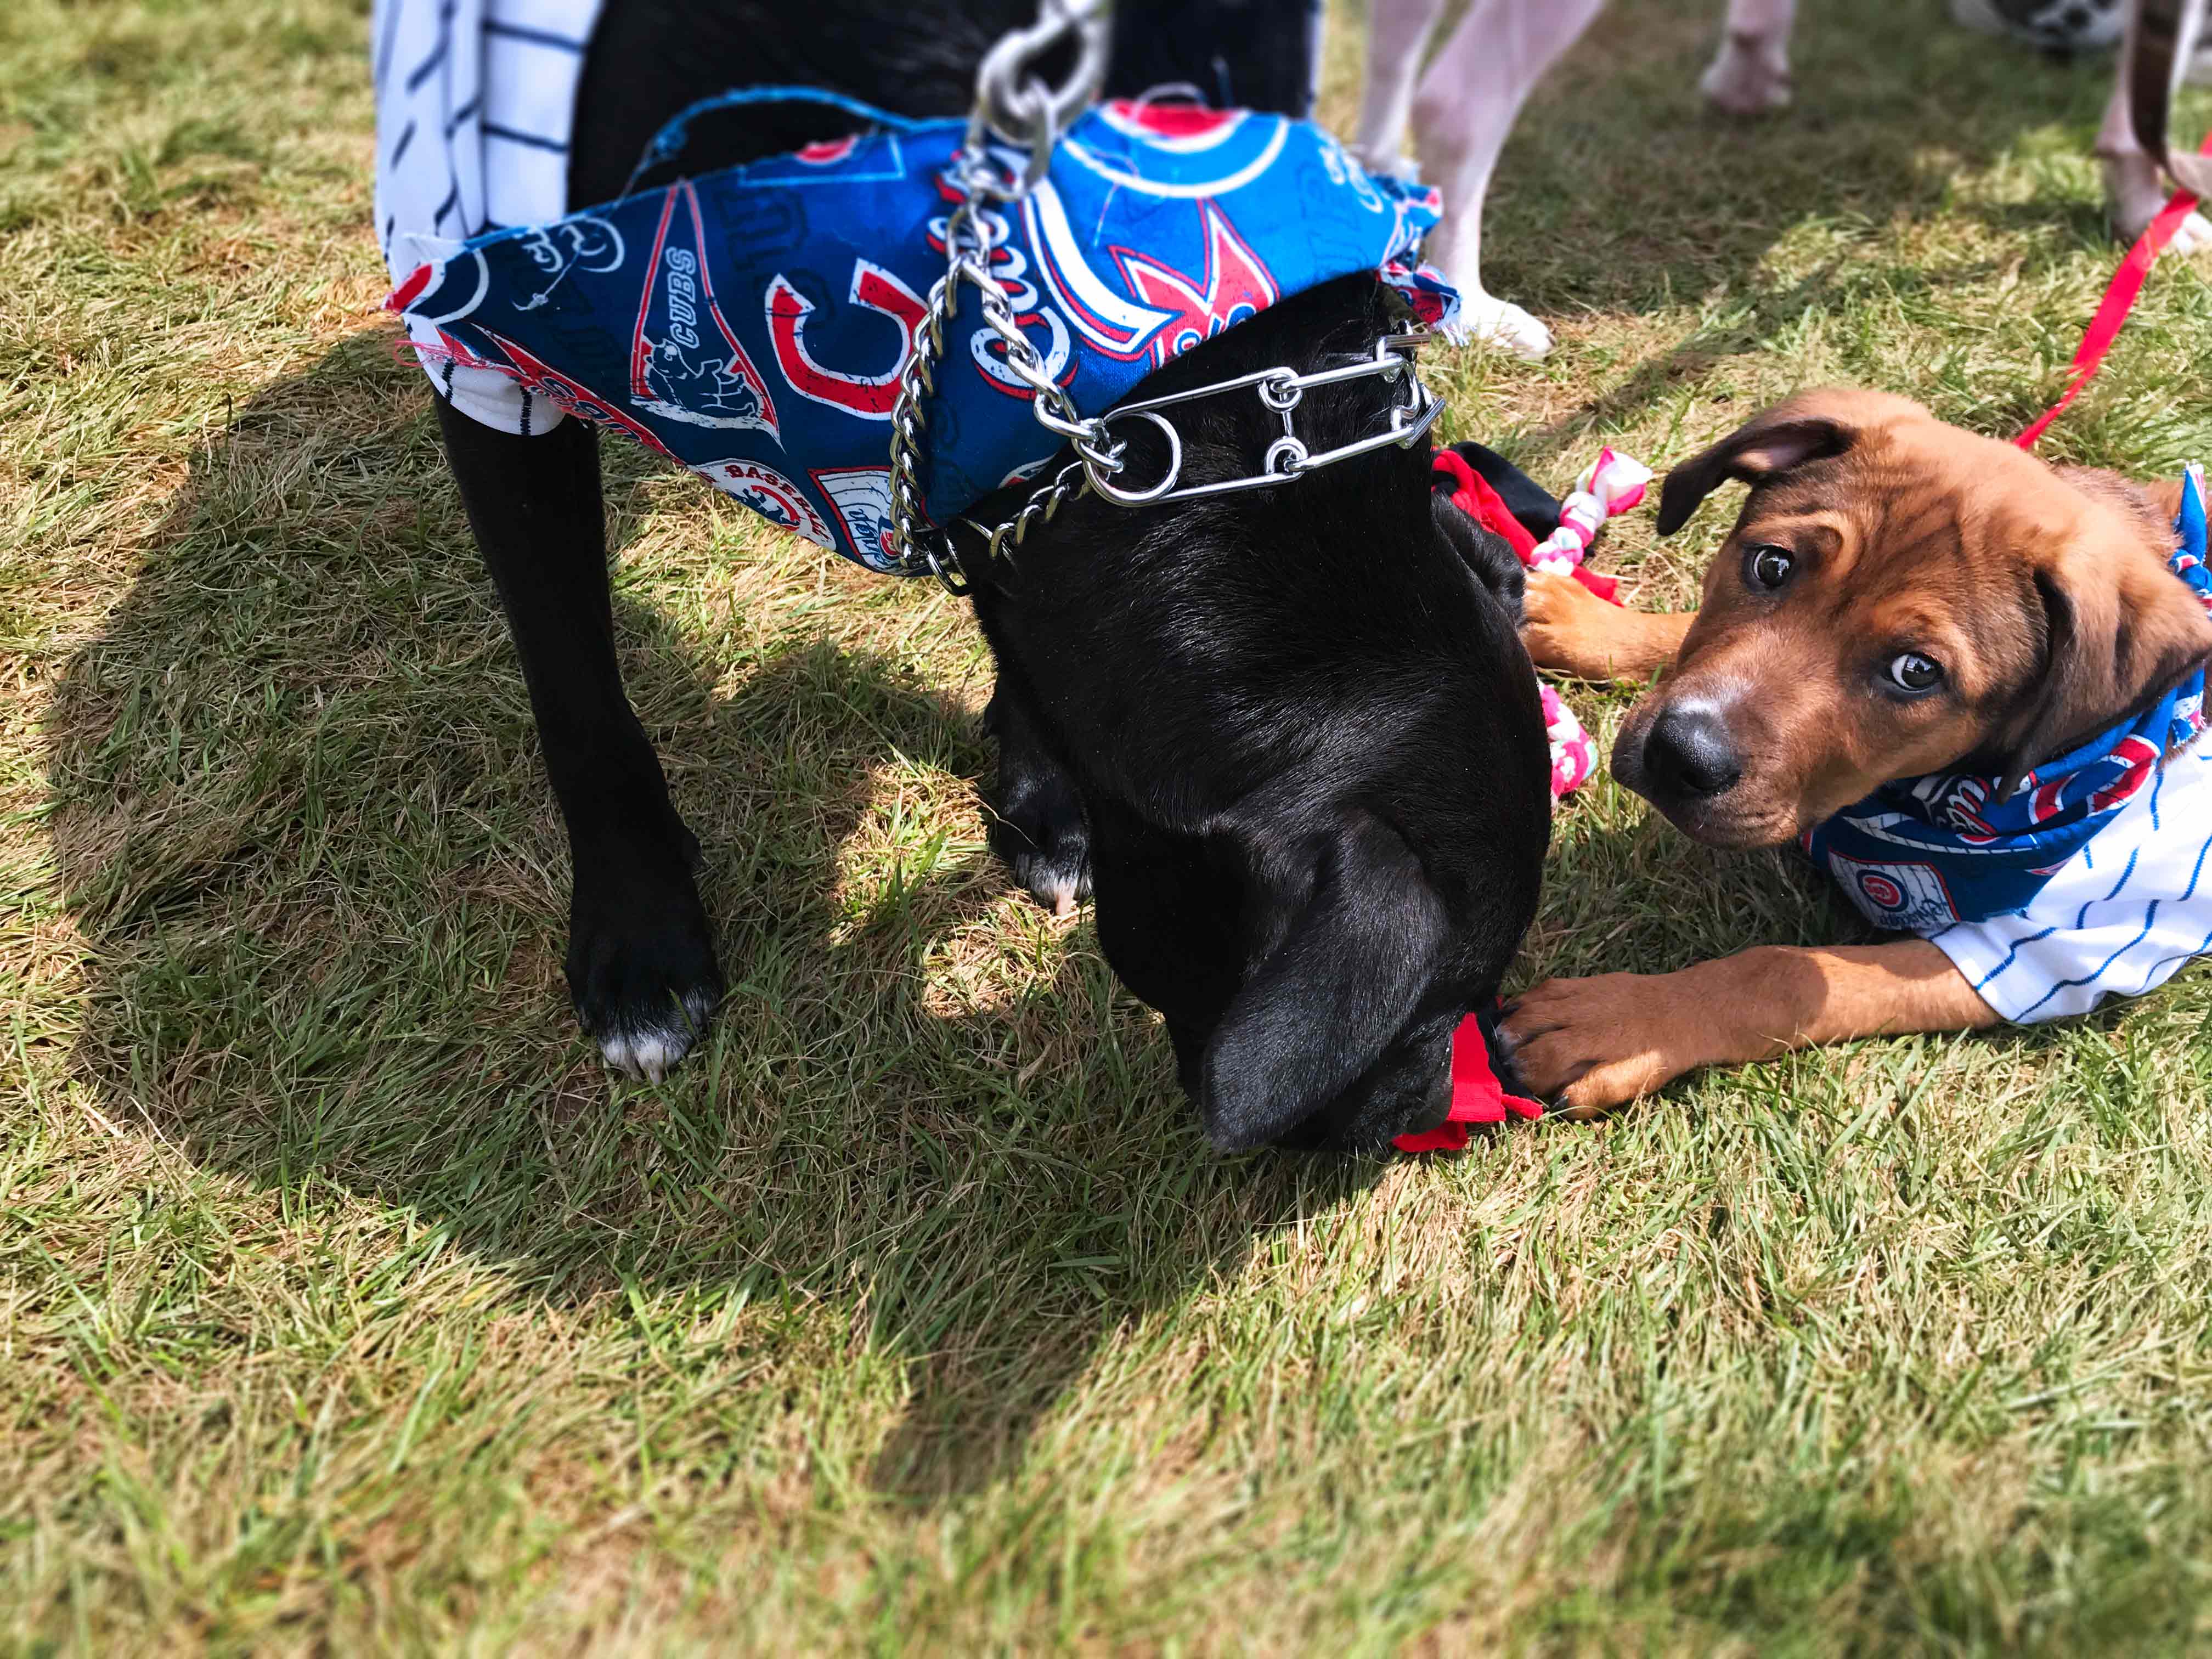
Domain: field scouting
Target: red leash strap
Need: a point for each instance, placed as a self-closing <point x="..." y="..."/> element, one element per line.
<point x="2119" y="300"/>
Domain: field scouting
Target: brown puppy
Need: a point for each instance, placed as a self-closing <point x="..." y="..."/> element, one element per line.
<point x="1898" y="598"/>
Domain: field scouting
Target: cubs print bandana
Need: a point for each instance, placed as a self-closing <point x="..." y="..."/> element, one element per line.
<point x="1922" y="854"/>
<point x="753" y="323"/>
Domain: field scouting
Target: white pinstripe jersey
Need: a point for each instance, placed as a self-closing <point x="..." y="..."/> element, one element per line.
<point x="474" y="103"/>
<point x="2120" y="917"/>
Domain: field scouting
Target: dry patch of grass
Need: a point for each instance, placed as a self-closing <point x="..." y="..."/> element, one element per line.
<point x="347" y="1307"/>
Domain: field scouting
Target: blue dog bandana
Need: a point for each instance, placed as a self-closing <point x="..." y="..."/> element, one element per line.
<point x="1922" y="854"/>
<point x="753" y="323"/>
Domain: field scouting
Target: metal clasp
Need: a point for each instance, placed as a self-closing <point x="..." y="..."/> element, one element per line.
<point x="1021" y="106"/>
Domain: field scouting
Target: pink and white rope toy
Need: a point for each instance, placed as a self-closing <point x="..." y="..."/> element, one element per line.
<point x="1612" y="484"/>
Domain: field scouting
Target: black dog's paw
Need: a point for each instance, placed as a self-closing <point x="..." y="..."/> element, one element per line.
<point x="1048" y="852"/>
<point x="640" y="966"/>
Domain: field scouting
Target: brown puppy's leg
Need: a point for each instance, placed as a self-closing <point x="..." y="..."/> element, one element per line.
<point x="1591" y="1043"/>
<point x="1569" y="630"/>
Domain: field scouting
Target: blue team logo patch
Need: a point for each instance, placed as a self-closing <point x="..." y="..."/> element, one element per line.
<point x="862" y="496"/>
<point x="1904" y="897"/>
<point x="769" y="494"/>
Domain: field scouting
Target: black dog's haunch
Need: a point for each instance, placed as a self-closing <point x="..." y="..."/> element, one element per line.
<point x="1287" y="738"/>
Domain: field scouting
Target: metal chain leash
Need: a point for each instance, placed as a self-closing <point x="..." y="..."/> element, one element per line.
<point x="1026" y="109"/>
<point x="1021" y="105"/>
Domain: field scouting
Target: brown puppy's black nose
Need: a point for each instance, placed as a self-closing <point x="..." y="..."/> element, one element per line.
<point x="1687" y="754"/>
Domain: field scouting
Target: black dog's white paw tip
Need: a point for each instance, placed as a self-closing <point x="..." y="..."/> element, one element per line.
<point x="1059" y="889"/>
<point x="1058" y="879"/>
<point x="648" y="1049"/>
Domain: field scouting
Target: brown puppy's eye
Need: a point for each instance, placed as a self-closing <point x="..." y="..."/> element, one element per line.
<point x="1767" y="565"/>
<point x="1911" y="671"/>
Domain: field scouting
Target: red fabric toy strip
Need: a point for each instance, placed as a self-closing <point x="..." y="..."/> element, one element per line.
<point x="1477" y="1096"/>
<point x="1472" y="495"/>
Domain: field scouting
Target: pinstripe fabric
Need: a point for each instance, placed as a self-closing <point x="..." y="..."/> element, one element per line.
<point x="474" y="102"/>
<point x="2118" y="928"/>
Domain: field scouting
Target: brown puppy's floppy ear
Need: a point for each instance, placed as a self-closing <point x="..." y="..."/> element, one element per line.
<point x="1783" y="438"/>
<point x="2120" y="631"/>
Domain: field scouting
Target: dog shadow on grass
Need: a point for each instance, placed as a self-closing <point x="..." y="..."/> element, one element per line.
<point x="303" y="829"/>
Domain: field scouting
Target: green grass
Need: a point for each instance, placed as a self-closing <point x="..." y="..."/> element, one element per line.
<point x="346" y="1307"/>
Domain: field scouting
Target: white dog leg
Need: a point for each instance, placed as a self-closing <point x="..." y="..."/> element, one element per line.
<point x="1462" y="114"/>
<point x="1396" y="32"/>
<point x="1750" y="74"/>
<point x="2134" y="189"/>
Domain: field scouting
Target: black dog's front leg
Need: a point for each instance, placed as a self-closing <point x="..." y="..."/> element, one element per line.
<point x="640" y="960"/>
<point x="1036" y="826"/>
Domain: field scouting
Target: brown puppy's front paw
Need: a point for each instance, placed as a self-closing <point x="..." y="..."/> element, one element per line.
<point x="1569" y="630"/>
<point x="1588" y="1044"/>
<point x="1559" y="622"/>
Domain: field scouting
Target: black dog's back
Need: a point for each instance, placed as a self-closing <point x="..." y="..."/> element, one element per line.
<point x="650" y="58"/>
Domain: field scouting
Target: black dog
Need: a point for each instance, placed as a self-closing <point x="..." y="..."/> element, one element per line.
<point x="1288" y="739"/>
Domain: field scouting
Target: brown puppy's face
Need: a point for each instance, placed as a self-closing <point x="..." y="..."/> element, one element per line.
<point x="1898" y="597"/>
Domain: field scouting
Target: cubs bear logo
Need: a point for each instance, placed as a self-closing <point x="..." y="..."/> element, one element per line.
<point x="769" y="494"/>
<point x="868" y="396"/>
<point x="686" y="362"/>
